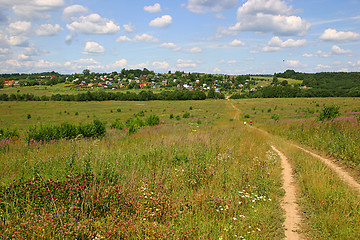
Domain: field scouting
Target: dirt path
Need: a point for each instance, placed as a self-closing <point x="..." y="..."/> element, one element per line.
<point x="289" y="204"/>
<point x="345" y="176"/>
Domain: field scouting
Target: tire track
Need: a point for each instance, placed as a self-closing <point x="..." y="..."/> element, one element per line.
<point x="289" y="204"/>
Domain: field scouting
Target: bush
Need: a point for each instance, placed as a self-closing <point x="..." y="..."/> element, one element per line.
<point x="66" y="130"/>
<point x="178" y="117"/>
<point x="276" y="117"/>
<point x="8" y="133"/>
<point x="246" y="116"/>
<point x="186" y="115"/>
<point x="28" y="116"/>
<point x="152" y="120"/>
<point x="171" y="116"/>
<point x="117" y="124"/>
<point x="329" y="112"/>
<point x="118" y="110"/>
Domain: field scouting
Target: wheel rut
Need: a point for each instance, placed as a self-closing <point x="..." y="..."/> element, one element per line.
<point x="289" y="204"/>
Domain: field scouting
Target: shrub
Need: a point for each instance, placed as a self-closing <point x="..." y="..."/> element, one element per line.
<point x="246" y="116"/>
<point x="276" y="117"/>
<point x="190" y="108"/>
<point x="186" y="115"/>
<point x="77" y="114"/>
<point x="118" y="110"/>
<point x="171" y="116"/>
<point x="329" y="112"/>
<point x="8" y="133"/>
<point x="178" y="117"/>
<point x="152" y="120"/>
<point x="66" y="130"/>
<point x="28" y="116"/>
<point x="117" y="124"/>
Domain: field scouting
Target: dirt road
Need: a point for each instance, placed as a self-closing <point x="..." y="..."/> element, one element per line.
<point x="289" y="204"/>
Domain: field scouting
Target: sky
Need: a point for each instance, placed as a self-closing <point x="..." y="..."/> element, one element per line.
<point x="208" y="36"/>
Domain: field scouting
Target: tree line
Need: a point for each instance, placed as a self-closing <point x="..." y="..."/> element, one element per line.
<point x="117" y="96"/>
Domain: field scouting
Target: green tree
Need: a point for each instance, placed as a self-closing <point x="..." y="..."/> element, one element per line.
<point x="86" y="72"/>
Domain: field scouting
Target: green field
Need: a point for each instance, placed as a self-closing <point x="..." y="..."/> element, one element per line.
<point x="203" y="177"/>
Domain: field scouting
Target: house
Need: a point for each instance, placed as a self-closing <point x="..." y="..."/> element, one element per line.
<point x="102" y="84"/>
<point x="108" y="83"/>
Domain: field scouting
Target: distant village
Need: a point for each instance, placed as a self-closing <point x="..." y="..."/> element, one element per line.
<point x="142" y="79"/>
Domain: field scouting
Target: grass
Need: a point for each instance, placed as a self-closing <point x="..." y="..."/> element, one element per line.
<point x="331" y="207"/>
<point x="162" y="182"/>
<point x="202" y="177"/>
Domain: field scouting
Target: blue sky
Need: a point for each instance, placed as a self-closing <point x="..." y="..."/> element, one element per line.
<point x="212" y="36"/>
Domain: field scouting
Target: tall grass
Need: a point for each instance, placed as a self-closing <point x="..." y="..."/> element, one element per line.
<point x="331" y="208"/>
<point x="161" y="182"/>
<point x="338" y="137"/>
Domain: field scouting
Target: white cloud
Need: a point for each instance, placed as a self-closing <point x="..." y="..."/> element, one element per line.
<point x="19" y="28"/>
<point x="70" y="13"/>
<point x="331" y="34"/>
<point x="204" y="6"/>
<point x="153" y="9"/>
<point x="216" y="70"/>
<point x="93" y="48"/>
<point x="20" y="41"/>
<point x="122" y="63"/>
<point x="232" y="62"/>
<point x="194" y="50"/>
<point x="294" y="63"/>
<point x="93" y="24"/>
<point x="236" y="43"/>
<point x="4" y="50"/>
<point x="270" y="16"/>
<point x="160" y="65"/>
<point x="336" y="50"/>
<point x="129" y="28"/>
<point x="138" y="38"/>
<point x="161" y="22"/>
<point x="276" y="44"/>
<point x="48" y="30"/>
<point x="171" y="46"/>
<point x="123" y="39"/>
<point x="36" y="9"/>
<point x="322" y="66"/>
<point x="181" y="63"/>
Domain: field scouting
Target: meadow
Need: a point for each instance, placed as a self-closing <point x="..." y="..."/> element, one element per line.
<point x="198" y="174"/>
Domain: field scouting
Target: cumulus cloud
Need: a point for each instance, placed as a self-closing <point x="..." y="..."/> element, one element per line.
<point x="181" y="63"/>
<point x="322" y="66"/>
<point x="48" y="30"/>
<point x="270" y="16"/>
<point x="236" y="43"/>
<point x="294" y="63"/>
<point x="194" y="50"/>
<point x="138" y="38"/>
<point x="331" y="34"/>
<point x="204" y="6"/>
<point x="19" y="28"/>
<point x="36" y="9"/>
<point x="160" y="65"/>
<point x="161" y="22"/>
<point x="70" y="13"/>
<point x="171" y="46"/>
<point x="129" y="28"/>
<point x="93" y="48"/>
<point x="336" y="50"/>
<point x="276" y="44"/>
<point x="153" y="9"/>
<point x="122" y="63"/>
<point x="20" y="41"/>
<point x="93" y="24"/>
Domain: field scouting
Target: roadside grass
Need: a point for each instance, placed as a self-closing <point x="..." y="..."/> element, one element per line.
<point x="331" y="208"/>
<point x="167" y="181"/>
<point x="296" y="119"/>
